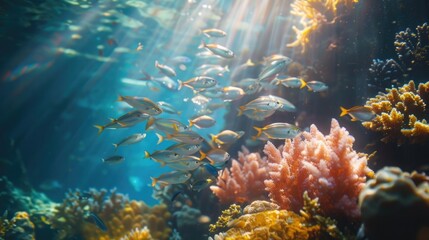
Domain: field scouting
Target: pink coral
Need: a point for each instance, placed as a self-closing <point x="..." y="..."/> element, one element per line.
<point x="325" y="166"/>
<point x="244" y="181"/>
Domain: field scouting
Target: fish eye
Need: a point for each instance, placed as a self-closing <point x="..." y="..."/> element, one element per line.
<point x="175" y="154"/>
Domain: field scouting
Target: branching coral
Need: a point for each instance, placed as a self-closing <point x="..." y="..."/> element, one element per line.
<point x="314" y="13"/>
<point x="262" y="220"/>
<point x="385" y="73"/>
<point x="395" y="205"/>
<point x="413" y="48"/>
<point x="325" y="166"/>
<point x="400" y="114"/>
<point x="19" y="227"/>
<point x="118" y="213"/>
<point x="227" y="215"/>
<point x="138" y="234"/>
<point x="243" y="182"/>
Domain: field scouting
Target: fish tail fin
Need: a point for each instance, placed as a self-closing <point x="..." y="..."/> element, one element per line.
<point x="259" y="131"/>
<point x="100" y="128"/>
<point x="191" y="123"/>
<point x="226" y="68"/>
<point x="116" y="146"/>
<point x="180" y="85"/>
<point x="147" y="76"/>
<point x="249" y="62"/>
<point x="176" y="128"/>
<point x="303" y="83"/>
<point x="112" y="119"/>
<point x="156" y="63"/>
<point x="214" y="138"/>
<point x="343" y="111"/>
<point x="241" y="110"/>
<point x="202" y="44"/>
<point x="120" y="98"/>
<point x="160" y="138"/>
<point x="154" y="181"/>
<point x="150" y="122"/>
<point x="275" y="81"/>
<point x="203" y="155"/>
<point x="146" y="154"/>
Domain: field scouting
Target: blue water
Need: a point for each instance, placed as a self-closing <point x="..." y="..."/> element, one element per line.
<point x="60" y="75"/>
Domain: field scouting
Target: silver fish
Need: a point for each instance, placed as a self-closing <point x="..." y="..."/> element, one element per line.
<point x="274" y="68"/>
<point x="202" y="122"/>
<point x="143" y="104"/>
<point x="174" y="177"/>
<point x="113" y="159"/>
<point x="166" y="70"/>
<point x="278" y="131"/>
<point x="185" y="148"/>
<point x="316" y="86"/>
<point x="218" y="50"/>
<point x="135" y="138"/>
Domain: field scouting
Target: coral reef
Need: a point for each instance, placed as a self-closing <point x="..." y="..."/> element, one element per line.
<point x="325" y="166"/>
<point x="35" y="203"/>
<point x="138" y="234"/>
<point x="313" y="14"/>
<point x="400" y="114"/>
<point x="191" y="223"/>
<point x="118" y="213"/>
<point x="19" y="227"/>
<point x="413" y="48"/>
<point x="227" y="215"/>
<point x="385" y="73"/>
<point x="395" y="205"/>
<point x="244" y="181"/>
<point x="262" y="220"/>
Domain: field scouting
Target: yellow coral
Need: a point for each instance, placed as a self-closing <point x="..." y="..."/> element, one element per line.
<point x="314" y="13"/>
<point x="134" y="215"/>
<point x="400" y="114"/>
<point x="227" y="215"/>
<point x="138" y="234"/>
<point x="259" y="223"/>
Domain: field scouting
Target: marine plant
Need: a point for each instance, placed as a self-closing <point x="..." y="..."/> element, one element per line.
<point x="243" y="181"/>
<point x="314" y="14"/>
<point x="400" y="114"/>
<point x="326" y="167"/>
<point x="263" y="220"/>
<point x="395" y="205"/>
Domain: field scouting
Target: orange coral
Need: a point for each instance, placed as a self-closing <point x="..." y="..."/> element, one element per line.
<point x="243" y="182"/>
<point x="325" y="166"/>
<point x="314" y="13"/>
<point x="400" y="114"/>
<point x="134" y="215"/>
<point x="138" y="234"/>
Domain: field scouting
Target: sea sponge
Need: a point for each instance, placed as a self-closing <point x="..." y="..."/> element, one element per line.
<point x="395" y="205"/>
<point x="325" y="166"/>
<point x="243" y="181"/>
<point x="400" y="114"/>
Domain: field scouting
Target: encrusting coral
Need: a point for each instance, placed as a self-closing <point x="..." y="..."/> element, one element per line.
<point x="118" y="213"/>
<point x="244" y="181"/>
<point x="263" y="220"/>
<point x="400" y="114"/>
<point x="325" y="166"/>
<point x="19" y="227"/>
<point x="395" y="205"/>
<point x="315" y="13"/>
